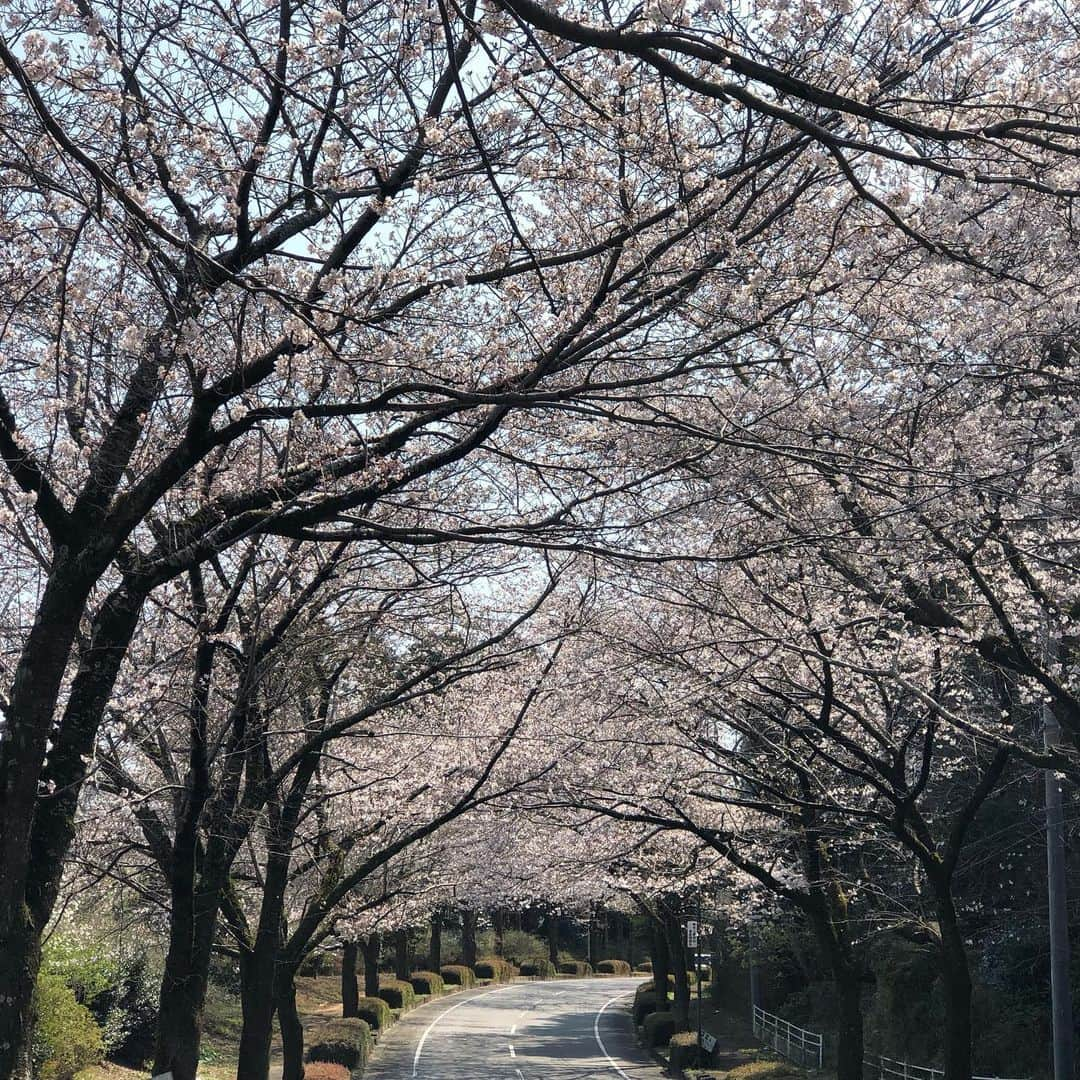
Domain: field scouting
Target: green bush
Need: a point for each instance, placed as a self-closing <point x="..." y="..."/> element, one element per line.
<point x="643" y="1005"/>
<point x="66" y="1036"/>
<point x="540" y="967"/>
<point x="346" y="1042"/>
<point x="375" y="1012"/>
<point x="426" y="982"/>
<point x="397" y="993"/>
<point x="494" y="967"/>
<point x="659" y="1027"/>
<point x="613" y="967"/>
<point x="575" y="967"/>
<point x="684" y="1050"/>
<point x="517" y="945"/>
<point x="458" y="975"/>
<point x="128" y="1011"/>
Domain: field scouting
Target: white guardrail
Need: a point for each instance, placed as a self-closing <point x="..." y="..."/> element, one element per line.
<point x="795" y="1043"/>
<point x="890" y="1069"/>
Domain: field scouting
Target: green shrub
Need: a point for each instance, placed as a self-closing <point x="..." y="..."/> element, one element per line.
<point x="613" y="967"/>
<point x="575" y="967"/>
<point x="643" y="1005"/>
<point x="426" y="982"/>
<point x="66" y="1036"/>
<point x="540" y="967"/>
<point x="684" y="1050"/>
<point x="517" y="945"/>
<point x="375" y="1012"/>
<point x="397" y="993"/>
<point x="128" y="1011"/>
<point x="458" y="975"/>
<point x="346" y="1042"/>
<point x="494" y="967"/>
<point x="659" y="1027"/>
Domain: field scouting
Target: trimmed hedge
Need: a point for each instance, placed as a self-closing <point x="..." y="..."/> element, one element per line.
<point x="325" y="1070"/>
<point x="643" y="1005"/>
<point x="684" y="1050"/>
<point x="645" y="965"/>
<point x="540" y="967"/>
<point x="344" y="1043"/>
<point x="426" y="982"/>
<point x="494" y="967"/>
<point x="397" y="993"/>
<point x="458" y="975"/>
<point x="575" y="967"/>
<point x="659" y="1027"/>
<point x="375" y="1012"/>
<point x="613" y="967"/>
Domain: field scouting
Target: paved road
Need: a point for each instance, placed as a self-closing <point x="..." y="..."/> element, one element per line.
<point x="567" y="1029"/>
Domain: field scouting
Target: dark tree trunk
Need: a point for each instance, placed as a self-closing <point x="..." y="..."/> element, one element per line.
<point x="372" y="946"/>
<point x="435" y="952"/>
<point x="350" y="990"/>
<point x="292" y="1031"/>
<point x="500" y="930"/>
<point x="661" y="961"/>
<point x="402" y="958"/>
<point x="34" y="839"/>
<point x="677" y="953"/>
<point x="552" y="928"/>
<point x="468" y="937"/>
<point x="258" y="1005"/>
<point x="956" y="987"/>
<point x="849" y="1033"/>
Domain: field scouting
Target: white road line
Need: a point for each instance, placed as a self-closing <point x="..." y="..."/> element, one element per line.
<point x="438" y="1019"/>
<point x="512" y="1054"/>
<point x="521" y="1075"/>
<point x="513" y="1029"/>
<point x="600" y="1042"/>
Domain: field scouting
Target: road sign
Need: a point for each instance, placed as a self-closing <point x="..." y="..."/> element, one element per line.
<point x="708" y="1042"/>
<point x="691" y="934"/>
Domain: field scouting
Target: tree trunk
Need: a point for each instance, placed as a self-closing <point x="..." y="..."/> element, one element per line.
<point x="435" y="952"/>
<point x="29" y="714"/>
<point x="849" y="1033"/>
<point x="372" y="946"/>
<point x="468" y="937"/>
<point x="402" y="959"/>
<point x="956" y="987"/>
<point x="677" y="953"/>
<point x="292" y="1031"/>
<point x="258" y="1005"/>
<point x="552" y="928"/>
<point x="500" y="930"/>
<point x="350" y="990"/>
<point x="661" y="961"/>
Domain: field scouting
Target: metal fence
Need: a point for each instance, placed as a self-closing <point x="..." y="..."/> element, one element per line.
<point x="890" y="1069"/>
<point x="795" y="1043"/>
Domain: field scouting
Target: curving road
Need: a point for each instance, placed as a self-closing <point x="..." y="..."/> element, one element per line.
<point x="562" y="1030"/>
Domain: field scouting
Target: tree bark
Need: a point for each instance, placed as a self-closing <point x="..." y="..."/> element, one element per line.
<point x="499" y="920"/>
<point x="402" y="959"/>
<point x="372" y="946"/>
<point x="468" y="937"/>
<point x="435" y="952"/>
<point x="956" y="987"/>
<point x="677" y="953"/>
<point x="661" y="961"/>
<point x="552" y="928"/>
<point x="350" y="990"/>
<point x="292" y="1031"/>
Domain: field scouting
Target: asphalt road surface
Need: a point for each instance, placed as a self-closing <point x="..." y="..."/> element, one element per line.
<point x="569" y="1029"/>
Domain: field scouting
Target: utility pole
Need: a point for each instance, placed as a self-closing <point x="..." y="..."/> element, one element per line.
<point x="1060" y="991"/>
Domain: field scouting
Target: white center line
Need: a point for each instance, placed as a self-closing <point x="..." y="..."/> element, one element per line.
<point x="512" y="1054"/>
